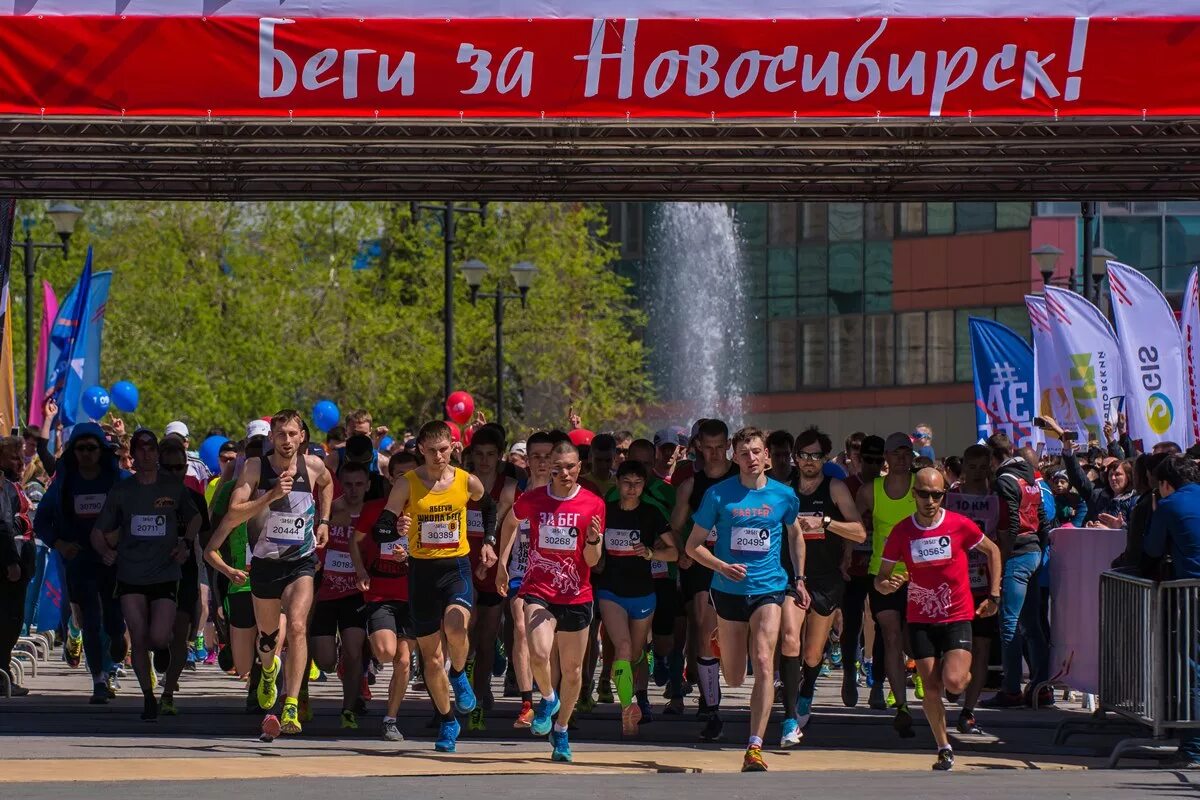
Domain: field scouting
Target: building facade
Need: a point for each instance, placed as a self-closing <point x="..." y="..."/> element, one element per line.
<point x="857" y="312"/>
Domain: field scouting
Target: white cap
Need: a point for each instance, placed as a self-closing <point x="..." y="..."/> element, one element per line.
<point x="259" y="427"/>
<point x="177" y="428"/>
<point x="517" y="448"/>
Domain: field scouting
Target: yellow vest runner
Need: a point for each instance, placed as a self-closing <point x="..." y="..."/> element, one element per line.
<point x="439" y="519"/>
<point x="886" y="514"/>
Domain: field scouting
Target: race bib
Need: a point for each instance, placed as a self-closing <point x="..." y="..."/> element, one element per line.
<point x="148" y="526"/>
<point x="557" y="537"/>
<point x="474" y="523"/>
<point x="621" y="541"/>
<point x="711" y="539"/>
<point x="522" y="555"/>
<point x="751" y="540"/>
<point x="285" y="527"/>
<point x="389" y="548"/>
<point x="88" y="505"/>
<point x="658" y="569"/>
<point x="979" y="571"/>
<point x="815" y="535"/>
<point x="439" y="533"/>
<point x="338" y="561"/>
<point x="931" y="548"/>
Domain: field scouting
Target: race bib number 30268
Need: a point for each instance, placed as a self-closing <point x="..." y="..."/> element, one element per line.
<point x="751" y="540"/>
<point x="557" y="537"/>
<point x="931" y="548"/>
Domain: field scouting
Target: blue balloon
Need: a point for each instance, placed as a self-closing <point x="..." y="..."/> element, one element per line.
<point x="326" y="415"/>
<point x="125" y="396"/>
<point x="94" y="401"/>
<point x="210" y="452"/>
<point x="386" y="443"/>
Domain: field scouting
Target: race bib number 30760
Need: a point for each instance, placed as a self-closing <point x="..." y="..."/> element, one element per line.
<point x="751" y="540"/>
<point x="931" y="548"/>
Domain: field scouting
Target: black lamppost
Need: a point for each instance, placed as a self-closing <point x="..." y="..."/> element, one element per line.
<point x="64" y="216"/>
<point x="1100" y="259"/>
<point x="522" y="274"/>
<point x="447" y="211"/>
<point x="1046" y="258"/>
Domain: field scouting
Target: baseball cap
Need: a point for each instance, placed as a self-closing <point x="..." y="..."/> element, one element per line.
<point x="872" y="446"/>
<point x="897" y="441"/>
<point x="177" y="428"/>
<point x="258" y="428"/>
<point x="674" y="434"/>
<point x="518" y="448"/>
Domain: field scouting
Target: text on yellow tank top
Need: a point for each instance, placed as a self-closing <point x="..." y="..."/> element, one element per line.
<point x="439" y="519"/>
<point x="886" y="514"/>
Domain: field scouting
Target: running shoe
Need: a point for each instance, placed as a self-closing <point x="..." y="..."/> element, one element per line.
<point x="267" y="691"/>
<point x="200" y="650"/>
<point x="835" y="654"/>
<point x="562" y="748"/>
<point x="73" y="649"/>
<point x="674" y="706"/>
<point x="289" y="720"/>
<point x="1044" y="698"/>
<point x="903" y="723"/>
<point x="867" y="668"/>
<point x="586" y="703"/>
<point x="99" y="694"/>
<point x="314" y="674"/>
<point x="543" y="718"/>
<point x="803" y="711"/>
<point x="510" y="685"/>
<point x="476" y="722"/>
<point x="661" y="672"/>
<point x="167" y="706"/>
<point x="647" y="712"/>
<point x="448" y="735"/>
<point x="826" y="670"/>
<point x="753" y="762"/>
<point x="631" y="715"/>
<point x="918" y="687"/>
<point x="967" y="724"/>
<point x="790" y="733"/>
<point x="604" y="694"/>
<point x="391" y="732"/>
<point x="849" y="690"/>
<point x="111" y="685"/>
<point x="149" y="710"/>
<point x="305" y="707"/>
<point x="714" y="729"/>
<point x="364" y="689"/>
<point x="945" y="760"/>
<point x="212" y="657"/>
<point x="349" y="720"/>
<point x="1004" y="700"/>
<point x="270" y="728"/>
<point x="876" y="700"/>
<point x="464" y="695"/>
<point x="524" y="716"/>
<point x="499" y="660"/>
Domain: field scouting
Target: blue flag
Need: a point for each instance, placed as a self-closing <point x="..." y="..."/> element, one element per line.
<point x="1004" y="382"/>
<point x="93" y="333"/>
<point x="64" y="363"/>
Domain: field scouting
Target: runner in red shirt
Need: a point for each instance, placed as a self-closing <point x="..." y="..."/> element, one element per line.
<point x="934" y="544"/>
<point x="565" y="540"/>
<point x="381" y="571"/>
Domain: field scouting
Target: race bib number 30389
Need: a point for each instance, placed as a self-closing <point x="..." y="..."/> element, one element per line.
<point x="436" y="533"/>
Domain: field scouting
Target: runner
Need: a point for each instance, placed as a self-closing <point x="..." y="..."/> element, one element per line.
<point x="84" y="476"/>
<point x="933" y="545"/>
<point x="381" y="570"/>
<point x="275" y="497"/>
<point x="780" y="444"/>
<point x="486" y="447"/>
<point x="434" y="498"/>
<point x="975" y="500"/>
<point x="670" y="447"/>
<point x="338" y="612"/>
<point x="147" y="527"/>
<point x="828" y="520"/>
<point x="637" y="535"/>
<point x="566" y="523"/>
<point x="883" y="503"/>
<point x="196" y="468"/>
<point x="867" y="453"/>
<point x="751" y="515"/>
<point x="602" y="458"/>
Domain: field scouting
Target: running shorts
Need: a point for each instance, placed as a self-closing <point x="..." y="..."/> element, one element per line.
<point x="986" y="627"/>
<point x="927" y="640"/>
<point x="488" y="599"/>
<point x="435" y="584"/>
<point x="331" y="616"/>
<point x="168" y="590"/>
<point x="635" y="607"/>
<point x="390" y="615"/>
<point x="826" y="592"/>
<point x="668" y="607"/>
<point x="740" y="607"/>
<point x="239" y="610"/>
<point x="570" y="618"/>
<point x="896" y="601"/>
<point x="270" y="576"/>
<point x="693" y="581"/>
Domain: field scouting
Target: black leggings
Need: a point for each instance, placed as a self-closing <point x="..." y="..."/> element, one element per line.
<point x="854" y="603"/>
<point x="12" y="616"/>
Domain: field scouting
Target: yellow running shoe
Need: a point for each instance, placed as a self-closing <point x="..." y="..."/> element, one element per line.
<point x="267" y="691"/>
<point x="918" y="687"/>
<point x="476" y="721"/>
<point x="313" y="672"/>
<point x="289" y="720"/>
<point x="753" y="762"/>
<point x="349" y="720"/>
<point x="167" y="706"/>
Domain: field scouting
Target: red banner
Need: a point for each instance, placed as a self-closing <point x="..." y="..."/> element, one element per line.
<point x="583" y="68"/>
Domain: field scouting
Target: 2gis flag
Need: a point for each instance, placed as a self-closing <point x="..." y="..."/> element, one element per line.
<point x="1089" y="358"/>
<point x="1005" y="382"/>
<point x="1157" y="396"/>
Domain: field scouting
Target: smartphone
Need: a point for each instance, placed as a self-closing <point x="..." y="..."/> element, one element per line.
<point x="1040" y="423"/>
<point x="1070" y="436"/>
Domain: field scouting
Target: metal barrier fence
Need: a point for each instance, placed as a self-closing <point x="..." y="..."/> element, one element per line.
<point x="1148" y="647"/>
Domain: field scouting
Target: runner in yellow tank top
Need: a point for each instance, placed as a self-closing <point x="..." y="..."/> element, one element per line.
<point x="433" y="501"/>
<point x="882" y="504"/>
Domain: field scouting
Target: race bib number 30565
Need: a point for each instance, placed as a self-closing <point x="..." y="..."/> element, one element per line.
<point x="931" y="548"/>
<point x="751" y="540"/>
<point x="557" y="537"/>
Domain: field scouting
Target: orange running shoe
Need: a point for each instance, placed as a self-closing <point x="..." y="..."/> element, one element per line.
<point x="753" y="762"/>
<point x="525" y="717"/>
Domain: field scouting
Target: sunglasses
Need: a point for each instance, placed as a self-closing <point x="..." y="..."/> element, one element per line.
<point x="925" y="494"/>
<point x="87" y="448"/>
<point x="173" y="467"/>
<point x="802" y="456"/>
<point x="874" y="460"/>
<point x="621" y="451"/>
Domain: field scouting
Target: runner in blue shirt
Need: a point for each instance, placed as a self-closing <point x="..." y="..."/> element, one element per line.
<point x="751" y="514"/>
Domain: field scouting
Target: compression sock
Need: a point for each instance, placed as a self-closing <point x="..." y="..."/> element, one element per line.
<point x="622" y="675"/>
<point x="675" y="672"/>
<point x="809" y="687"/>
<point x="710" y="681"/>
<point x="791" y="668"/>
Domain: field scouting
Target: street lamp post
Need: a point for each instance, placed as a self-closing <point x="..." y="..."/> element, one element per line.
<point x="1088" y="212"/>
<point x="448" y="210"/>
<point x="1100" y="259"/>
<point x="64" y="216"/>
<point x="522" y="274"/>
<point x="1046" y="258"/>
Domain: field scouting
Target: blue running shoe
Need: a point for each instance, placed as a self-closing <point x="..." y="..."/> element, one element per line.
<point x="562" y="748"/>
<point x="803" y="711"/>
<point x="790" y="733"/>
<point x="464" y="695"/>
<point x="448" y="736"/>
<point x="543" y="717"/>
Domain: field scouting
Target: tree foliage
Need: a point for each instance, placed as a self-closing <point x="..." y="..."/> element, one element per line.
<point x="222" y="312"/>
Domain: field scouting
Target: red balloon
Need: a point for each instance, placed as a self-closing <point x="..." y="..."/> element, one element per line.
<point x="468" y="435"/>
<point x="455" y="433"/>
<point x="581" y="436"/>
<point x="460" y="407"/>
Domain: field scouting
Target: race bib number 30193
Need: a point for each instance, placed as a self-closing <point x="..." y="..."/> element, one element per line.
<point x="751" y="540"/>
<point x="931" y="548"/>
